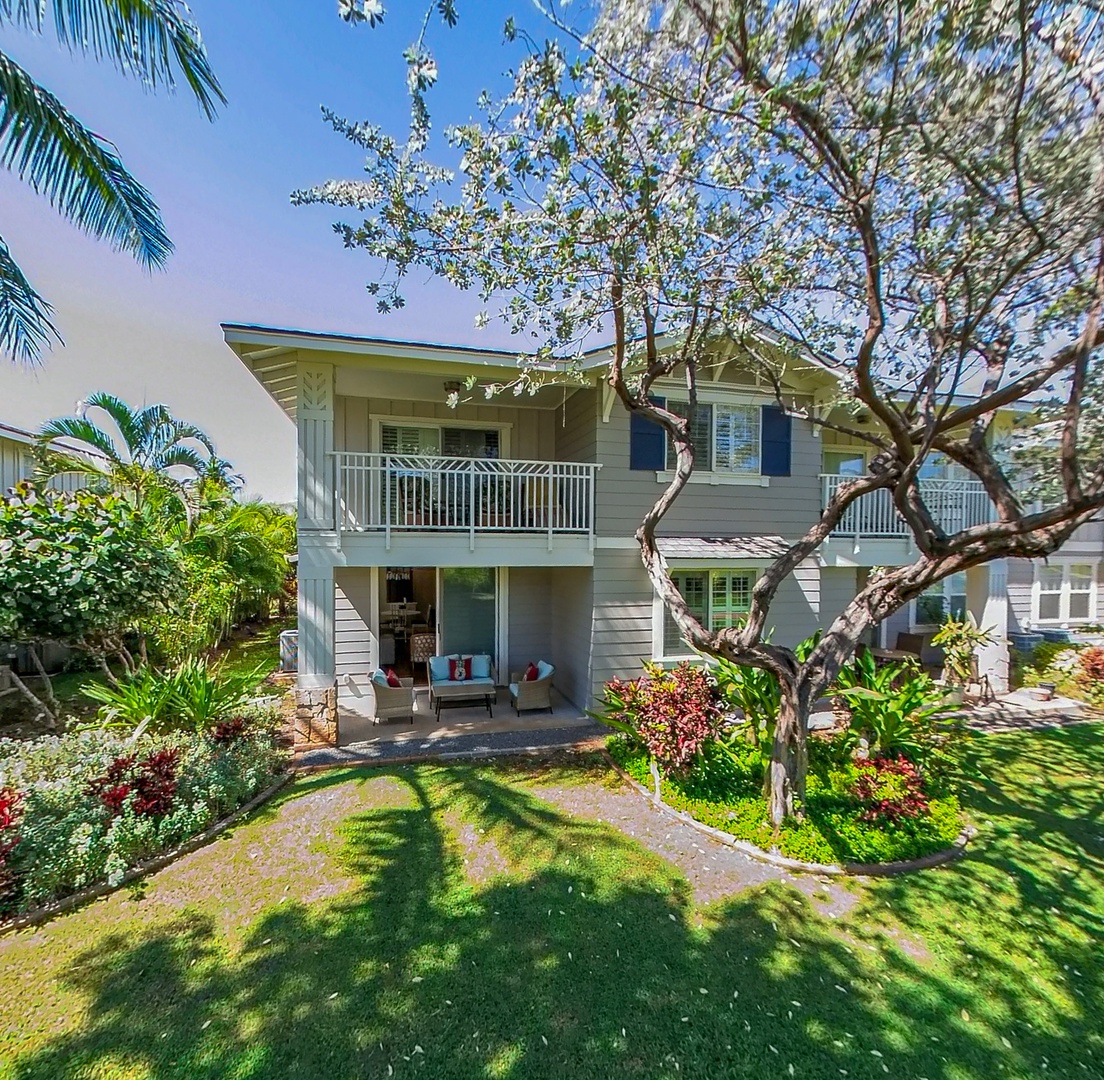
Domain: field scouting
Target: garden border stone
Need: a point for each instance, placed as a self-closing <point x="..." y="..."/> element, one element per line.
<point x="936" y="858"/>
<point x="47" y="912"/>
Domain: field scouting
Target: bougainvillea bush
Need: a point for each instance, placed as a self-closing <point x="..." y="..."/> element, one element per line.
<point x="85" y="807"/>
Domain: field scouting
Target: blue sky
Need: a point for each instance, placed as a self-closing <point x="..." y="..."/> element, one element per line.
<point x="243" y="253"/>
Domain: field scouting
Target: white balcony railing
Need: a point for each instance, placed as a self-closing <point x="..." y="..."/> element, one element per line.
<point x="955" y="504"/>
<point x="400" y="492"/>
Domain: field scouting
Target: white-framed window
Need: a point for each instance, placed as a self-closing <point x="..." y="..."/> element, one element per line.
<point x="431" y="440"/>
<point x="946" y="597"/>
<point x="718" y="598"/>
<point x="727" y="438"/>
<point x="1064" y="592"/>
<point x="842" y="462"/>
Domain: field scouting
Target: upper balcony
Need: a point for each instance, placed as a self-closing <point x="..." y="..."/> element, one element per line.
<point x="955" y="504"/>
<point x="435" y="507"/>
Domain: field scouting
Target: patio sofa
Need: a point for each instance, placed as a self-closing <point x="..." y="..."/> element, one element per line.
<point x="532" y="693"/>
<point x="445" y="691"/>
<point x="392" y="701"/>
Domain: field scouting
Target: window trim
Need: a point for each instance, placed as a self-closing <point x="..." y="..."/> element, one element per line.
<point x="914" y="625"/>
<point x="1065" y="591"/>
<point x="659" y="609"/>
<point x="712" y="475"/>
<point x="377" y="420"/>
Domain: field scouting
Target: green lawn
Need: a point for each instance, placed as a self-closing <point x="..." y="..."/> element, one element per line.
<point x="443" y="922"/>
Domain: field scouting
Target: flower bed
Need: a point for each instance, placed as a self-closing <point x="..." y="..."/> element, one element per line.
<point x="83" y="808"/>
<point x="858" y="812"/>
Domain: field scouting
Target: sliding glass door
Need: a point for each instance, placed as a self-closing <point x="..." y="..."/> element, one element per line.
<point x="467" y="612"/>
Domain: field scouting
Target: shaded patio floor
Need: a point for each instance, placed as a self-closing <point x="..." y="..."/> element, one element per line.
<point x="356" y="727"/>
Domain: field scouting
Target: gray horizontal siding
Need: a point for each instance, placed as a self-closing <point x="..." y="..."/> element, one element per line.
<point x="572" y="610"/>
<point x="530" y="626"/>
<point x="532" y="431"/>
<point x="1021" y="577"/>
<point x="353" y="649"/>
<point x="787" y="506"/>
<point x="576" y="427"/>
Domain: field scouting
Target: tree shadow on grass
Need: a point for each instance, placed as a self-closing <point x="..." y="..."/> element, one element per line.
<point x="586" y="959"/>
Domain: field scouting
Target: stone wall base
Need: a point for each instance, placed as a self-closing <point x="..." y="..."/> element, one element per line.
<point x="316" y="716"/>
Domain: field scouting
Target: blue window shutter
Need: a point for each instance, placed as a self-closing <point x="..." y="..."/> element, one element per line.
<point x="777" y="437"/>
<point x="647" y="441"/>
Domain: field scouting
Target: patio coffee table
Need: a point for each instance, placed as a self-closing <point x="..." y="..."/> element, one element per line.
<point x="456" y="695"/>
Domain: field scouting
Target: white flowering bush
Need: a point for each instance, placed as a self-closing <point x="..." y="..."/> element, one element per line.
<point x="90" y="805"/>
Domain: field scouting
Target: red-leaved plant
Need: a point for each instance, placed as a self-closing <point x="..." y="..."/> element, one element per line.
<point x="1090" y="663"/>
<point x="11" y="814"/>
<point x="890" y="790"/>
<point x="151" y="780"/>
<point x="673" y="713"/>
<point x="228" y="731"/>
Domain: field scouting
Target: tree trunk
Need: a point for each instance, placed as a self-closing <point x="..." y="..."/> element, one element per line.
<point x="789" y="756"/>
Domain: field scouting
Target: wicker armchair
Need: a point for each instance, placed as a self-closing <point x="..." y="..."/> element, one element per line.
<point x="392" y="701"/>
<point x="533" y="694"/>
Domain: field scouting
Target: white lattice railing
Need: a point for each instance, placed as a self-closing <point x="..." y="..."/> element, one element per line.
<point x="955" y="504"/>
<point x="384" y="492"/>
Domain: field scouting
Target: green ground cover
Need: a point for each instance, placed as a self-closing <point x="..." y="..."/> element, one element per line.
<point x="720" y="794"/>
<point x="444" y="921"/>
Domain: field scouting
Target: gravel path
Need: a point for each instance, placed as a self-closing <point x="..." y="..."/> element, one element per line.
<point x="714" y="870"/>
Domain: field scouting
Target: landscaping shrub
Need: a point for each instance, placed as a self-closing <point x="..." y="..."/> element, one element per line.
<point x="890" y="790"/>
<point x="846" y="820"/>
<point x="1090" y="674"/>
<point x="673" y="714"/>
<point x="92" y="804"/>
<point x="192" y="697"/>
<point x="895" y="707"/>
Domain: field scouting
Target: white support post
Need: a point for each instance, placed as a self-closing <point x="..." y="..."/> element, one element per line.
<point x="987" y="602"/>
<point x="315" y="423"/>
<point x="316" y="684"/>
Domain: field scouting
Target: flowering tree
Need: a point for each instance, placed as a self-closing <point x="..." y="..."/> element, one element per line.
<point x="911" y="195"/>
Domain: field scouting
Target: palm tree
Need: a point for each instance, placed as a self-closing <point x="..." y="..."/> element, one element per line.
<point x="152" y="456"/>
<point x="80" y="172"/>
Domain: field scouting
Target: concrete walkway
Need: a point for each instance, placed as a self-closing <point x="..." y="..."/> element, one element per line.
<point x="445" y="747"/>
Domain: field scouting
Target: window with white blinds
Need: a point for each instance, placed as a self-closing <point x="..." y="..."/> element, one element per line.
<point x="417" y="439"/>
<point x="726" y="438"/>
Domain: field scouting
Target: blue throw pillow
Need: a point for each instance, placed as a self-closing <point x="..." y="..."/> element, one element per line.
<point x="481" y="667"/>
<point x="544" y="669"/>
<point x="379" y="676"/>
<point x="439" y="668"/>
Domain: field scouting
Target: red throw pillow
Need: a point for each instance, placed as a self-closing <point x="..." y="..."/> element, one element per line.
<point x="392" y="678"/>
<point x="459" y="670"/>
<point x="531" y="673"/>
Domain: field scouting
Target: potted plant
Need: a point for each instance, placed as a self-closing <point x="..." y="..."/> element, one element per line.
<point x="960" y="641"/>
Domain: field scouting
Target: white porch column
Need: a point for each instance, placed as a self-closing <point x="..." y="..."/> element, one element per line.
<point x="316" y="686"/>
<point x="987" y="602"/>
<point x="315" y="422"/>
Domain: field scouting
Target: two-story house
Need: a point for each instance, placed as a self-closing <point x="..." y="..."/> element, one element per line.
<point x="507" y="523"/>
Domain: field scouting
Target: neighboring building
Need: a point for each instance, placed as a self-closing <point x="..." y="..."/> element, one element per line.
<point x="17" y="463"/>
<point x="17" y="460"/>
<point x="508" y="523"/>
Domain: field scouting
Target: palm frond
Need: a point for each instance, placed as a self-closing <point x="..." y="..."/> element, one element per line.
<point x="81" y="176"/>
<point x="52" y="463"/>
<point x="80" y="429"/>
<point x="149" y="39"/>
<point x="132" y="423"/>
<point x="180" y="456"/>
<point x="25" y="326"/>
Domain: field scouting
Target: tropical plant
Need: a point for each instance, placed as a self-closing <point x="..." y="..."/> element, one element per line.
<point x="191" y="697"/>
<point x="890" y="789"/>
<point x="77" y="170"/>
<point x="907" y="195"/>
<point x="150" y="455"/>
<point x="894" y="707"/>
<point x="673" y="714"/>
<point x="83" y="569"/>
<point x="144" y="697"/>
<point x="960" y="641"/>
